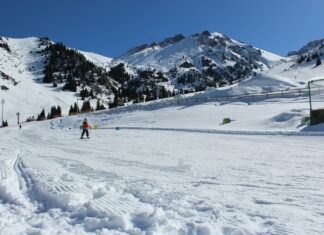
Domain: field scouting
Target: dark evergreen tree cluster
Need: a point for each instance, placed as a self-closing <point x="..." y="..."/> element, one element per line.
<point x="67" y="65"/>
<point x="188" y="78"/>
<point x="310" y="57"/>
<point x="149" y="80"/>
<point x="4" y="46"/>
<point x="301" y="59"/>
<point x="118" y="100"/>
<point x="187" y="64"/>
<point x="119" y="74"/>
<point x="318" y="61"/>
<point x="145" y="84"/>
<point x="100" y="106"/>
<point x="70" y="84"/>
<point x="84" y="93"/>
<point x="41" y="116"/>
<point x="86" y="107"/>
<point x="74" y="109"/>
<point x="55" y="112"/>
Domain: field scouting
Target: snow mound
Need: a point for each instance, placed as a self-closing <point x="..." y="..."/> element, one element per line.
<point x="261" y="83"/>
<point x="269" y="82"/>
<point x="286" y="116"/>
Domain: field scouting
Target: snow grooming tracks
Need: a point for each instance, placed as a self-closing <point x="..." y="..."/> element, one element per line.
<point x="222" y="132"/>
<point x="13" y="185"/>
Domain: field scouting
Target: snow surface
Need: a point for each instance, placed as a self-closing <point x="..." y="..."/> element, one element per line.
<point x="172" y="170"/>
<point x="167" y="169"/>
<point x="97" y="59"/>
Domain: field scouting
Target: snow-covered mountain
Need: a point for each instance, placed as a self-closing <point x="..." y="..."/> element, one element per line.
<point x="217" y="48"/>
<point x="37" y="73"/>
<point x="180" y="65"/>
<point x="303" y="65"/>
<point x="199" y="60"/>
<point x="313" y="45"/>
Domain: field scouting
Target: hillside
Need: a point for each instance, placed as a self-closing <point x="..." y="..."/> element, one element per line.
<point x="29" y="84"/>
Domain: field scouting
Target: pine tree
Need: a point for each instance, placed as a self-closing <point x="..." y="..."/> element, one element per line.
<point x="91" y="94"/>
<point x="308" y="59"/>
<point x="58" y="111"/>
<point x="318" y="61"/>
<point x="84" y="93"/>
<point x="48" y="78"/>
<point x="71" y="111"/>
<point x="52" y="114"/>
<point x="86" y="107"/>
<point x="99" y="106"/>
<point x="70" y="84"/>
<point x="41" y="116"/>
<point x="119" y="73"/>
<point x="76" y="108"/>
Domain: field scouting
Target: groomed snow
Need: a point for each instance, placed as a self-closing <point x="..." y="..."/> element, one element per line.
<point x="178" y="171"/>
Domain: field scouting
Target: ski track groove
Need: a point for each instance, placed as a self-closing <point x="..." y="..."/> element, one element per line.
<point x="4" y="169"/>
<point x="113" y="205"/>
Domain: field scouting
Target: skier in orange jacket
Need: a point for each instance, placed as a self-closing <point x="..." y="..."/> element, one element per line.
<point x="85" y="127"/>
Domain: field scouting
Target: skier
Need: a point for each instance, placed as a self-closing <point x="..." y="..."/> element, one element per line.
<point x="85" y="127"/>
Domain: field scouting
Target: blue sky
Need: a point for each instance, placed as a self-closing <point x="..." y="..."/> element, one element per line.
<point x="110" y="27"/>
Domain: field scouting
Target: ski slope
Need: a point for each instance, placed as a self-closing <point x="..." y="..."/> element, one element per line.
<point x="166" y="169"/>
<point x="26" y="93"/>
<point x="172" y="170"/>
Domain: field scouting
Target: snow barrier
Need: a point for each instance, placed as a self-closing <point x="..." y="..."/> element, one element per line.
<point x="223" y="132"/>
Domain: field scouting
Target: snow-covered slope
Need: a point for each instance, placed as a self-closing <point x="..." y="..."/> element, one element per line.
<point x="97" y="59"/>
<point x="311" y="46"/>
<point x="21" y="79"/>
<point x="22" y="72"/>
<point x="179" y="172"/>
<point x="302" y="67"/>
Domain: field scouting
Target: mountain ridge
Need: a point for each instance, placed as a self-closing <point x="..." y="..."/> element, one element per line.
<point x="175" y="65"/>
